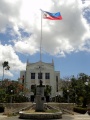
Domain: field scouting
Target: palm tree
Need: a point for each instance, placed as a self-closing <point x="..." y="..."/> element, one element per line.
<point x="6" y="66"/>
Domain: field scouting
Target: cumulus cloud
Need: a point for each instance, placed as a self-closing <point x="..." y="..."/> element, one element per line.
<point x="21" y="19"/>
<point x="63" y="36"/>
<point x="7" y="53"/>
<point x="26" y="46"/>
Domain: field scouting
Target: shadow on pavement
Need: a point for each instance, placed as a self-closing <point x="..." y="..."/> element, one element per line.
<point x="67" y="117"/>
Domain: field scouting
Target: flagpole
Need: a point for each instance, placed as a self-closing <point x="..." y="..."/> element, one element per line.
<point x="40" y="50"/>
<point x="41" y="40"/>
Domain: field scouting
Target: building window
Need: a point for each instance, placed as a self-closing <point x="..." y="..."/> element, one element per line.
<point x="57" y="83"/>
<point x="47" y="75"/>
<point x="33" y="89"/>
<point x="39" y="75"/>
<point x="23" y="79"/>
<point x="32" y="75"/>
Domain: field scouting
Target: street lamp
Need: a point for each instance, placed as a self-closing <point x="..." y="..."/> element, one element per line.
<point x="86" y="83"/>
<point x="75" y="95"/>
<point x="56" y="98"/>
<point x="11" y="95"/>
<point x="86" y="95"/>
<point x="68" y="96"/>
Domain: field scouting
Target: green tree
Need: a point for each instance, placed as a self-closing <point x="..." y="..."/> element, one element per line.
<point x="78" y="90"/>
<point x="47" y="90"/>
<point x="6" y="67"/>
<point x="11" y="91"/>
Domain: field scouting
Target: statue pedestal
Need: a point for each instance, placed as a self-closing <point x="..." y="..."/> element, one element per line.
<point x="40" y="98"/>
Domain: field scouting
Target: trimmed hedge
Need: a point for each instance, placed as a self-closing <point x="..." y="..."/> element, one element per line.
<point x="80" y="110"/>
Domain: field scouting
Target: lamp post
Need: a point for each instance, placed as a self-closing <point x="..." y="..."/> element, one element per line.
<point x="75" y="96"/>
<point x="86" y="83"/>
<point x="11" y="95"/>
<point x="56" y="98"/>
<point x="86" y="94"/>
<point x="68" y="96"/>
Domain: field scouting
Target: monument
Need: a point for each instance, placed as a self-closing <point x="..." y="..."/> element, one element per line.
<point x="40" y="99"/>
<point x="40" y="112"/>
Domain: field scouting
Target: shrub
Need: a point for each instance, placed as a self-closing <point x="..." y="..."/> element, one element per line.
<point x="80" y="110"/>
<point x="1" y="109"/>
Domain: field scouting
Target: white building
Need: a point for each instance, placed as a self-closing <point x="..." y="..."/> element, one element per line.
<point x="41" y="71"/>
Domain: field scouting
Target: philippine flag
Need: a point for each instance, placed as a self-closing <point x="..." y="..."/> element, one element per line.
<point x="51" y="16"/>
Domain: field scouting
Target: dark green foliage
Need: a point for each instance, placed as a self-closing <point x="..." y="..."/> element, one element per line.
<point x="80" y="110"/>
<point x="78" y="90"/>
<point x="47" y="90"/>
<point x="5" y="64"/>
<point x="1" y="109"/>
<point x="11" y="91"/>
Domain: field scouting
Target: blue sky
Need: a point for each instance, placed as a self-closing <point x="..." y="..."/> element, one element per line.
<point x="67" y="41"/>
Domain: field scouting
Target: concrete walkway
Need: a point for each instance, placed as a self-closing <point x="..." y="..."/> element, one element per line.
<point x="82" y="117"/>
<point x="2" y="117"/>
<point x="76" y="117"/>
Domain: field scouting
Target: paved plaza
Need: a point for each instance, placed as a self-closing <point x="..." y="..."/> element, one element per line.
<point x="64" y="117"/>
<point x="76" y="117"/>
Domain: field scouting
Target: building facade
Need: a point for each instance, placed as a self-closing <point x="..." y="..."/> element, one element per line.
<point x="40" y="71"/>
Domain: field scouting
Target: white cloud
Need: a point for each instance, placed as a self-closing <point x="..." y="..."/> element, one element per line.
<point x="7" y="53"/>
<point x="59" y="37"/>
<point x="26" y="46"/>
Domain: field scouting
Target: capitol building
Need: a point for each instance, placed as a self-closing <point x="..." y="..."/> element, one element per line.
<point x="40" y="71"/>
